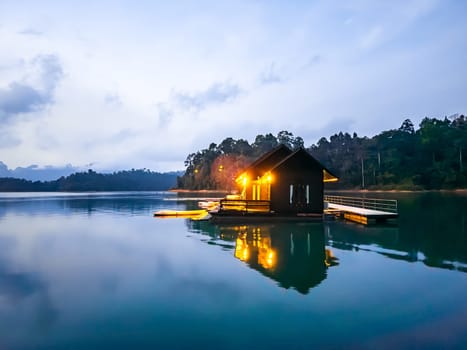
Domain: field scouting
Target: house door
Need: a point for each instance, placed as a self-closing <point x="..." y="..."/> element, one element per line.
<point x="299" y="196"/>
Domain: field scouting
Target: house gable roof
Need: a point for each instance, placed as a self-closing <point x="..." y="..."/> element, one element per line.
<point x="280" y="156"/>
<point x="268" y="160"/>
<point x="301" y="152"/>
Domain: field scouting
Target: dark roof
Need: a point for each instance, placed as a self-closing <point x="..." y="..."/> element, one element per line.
<point x="278" y="156"/>
<point x="267" y="161"/>
<point x="302" y="151"/>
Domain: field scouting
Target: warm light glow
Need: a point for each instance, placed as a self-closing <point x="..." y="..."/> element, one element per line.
<point x="221" y="167"/>
<point x="266" y="255"/>
<point x="255" y="247"/>
<point x="242" y="250"/>
<point x="266" y="179"/>
<point x="270" y="260"/>
<point x="242" y="179"/>
<point x="196" y="171"/>
<point x="328" y="177"/>
<point x="330" y="260"/>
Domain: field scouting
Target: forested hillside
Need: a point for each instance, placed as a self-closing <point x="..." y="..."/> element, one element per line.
<point x="430" y="157"/>
<point x="132" y="180"/>
<point x="217" y="166"/>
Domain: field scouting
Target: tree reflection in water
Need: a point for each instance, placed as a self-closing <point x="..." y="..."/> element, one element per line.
<point x="297" y="255"/>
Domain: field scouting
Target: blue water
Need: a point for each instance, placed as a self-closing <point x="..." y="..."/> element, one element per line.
<point x="96" y="270"/>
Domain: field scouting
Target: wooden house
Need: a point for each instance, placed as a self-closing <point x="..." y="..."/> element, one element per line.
<point x="283" y="182"/>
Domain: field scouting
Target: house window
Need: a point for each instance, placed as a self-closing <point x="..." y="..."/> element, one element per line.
<point x="291" y="194"/>
<point x="307" y="194"/>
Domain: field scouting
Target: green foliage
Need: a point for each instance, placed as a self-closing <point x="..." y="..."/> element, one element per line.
<point x="202" y="167"/>
<point x="428" y="158"/>
<point x="431" y="157"/>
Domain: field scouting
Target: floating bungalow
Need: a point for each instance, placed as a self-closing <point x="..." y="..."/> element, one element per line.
<point x="282" y="183"/>
<point x="286" y="185"/>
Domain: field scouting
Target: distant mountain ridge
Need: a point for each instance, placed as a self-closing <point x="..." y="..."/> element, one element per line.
<point x="49" y="173"/>
<point x="127" y="180"/>
<point x="35" y="173"/>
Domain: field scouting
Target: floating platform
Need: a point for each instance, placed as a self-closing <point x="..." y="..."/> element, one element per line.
<point x="357" y="209"/>
<point x="361" y="210"/>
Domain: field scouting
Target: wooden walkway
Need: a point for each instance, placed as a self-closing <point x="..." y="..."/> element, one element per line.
<point x="360" y="209"/>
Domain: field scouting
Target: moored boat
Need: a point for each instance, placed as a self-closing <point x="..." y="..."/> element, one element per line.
<point x="208" y="205"/>
<point x="180" y="213"/>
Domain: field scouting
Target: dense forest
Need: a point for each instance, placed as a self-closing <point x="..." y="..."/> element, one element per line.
<point x="132" y="180"/>
<point x="430" y="157"/>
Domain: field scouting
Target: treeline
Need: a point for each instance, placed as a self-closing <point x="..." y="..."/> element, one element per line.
<point x="217" y="166"/>
<point x="430" y="157"/>
<point x="131" y="180"/>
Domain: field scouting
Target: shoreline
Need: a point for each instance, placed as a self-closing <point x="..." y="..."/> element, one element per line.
<point x="457" y="190"/>
<point x="181" y="190"/>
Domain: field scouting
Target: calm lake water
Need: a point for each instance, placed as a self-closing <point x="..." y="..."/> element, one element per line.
<point x="82" y="271"/>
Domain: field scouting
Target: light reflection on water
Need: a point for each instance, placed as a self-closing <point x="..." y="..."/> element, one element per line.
<point x="97" y="270"/>
<point x="293" y="255"/>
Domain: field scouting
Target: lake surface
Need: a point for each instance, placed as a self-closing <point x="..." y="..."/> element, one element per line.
<point x="81" y="271"/>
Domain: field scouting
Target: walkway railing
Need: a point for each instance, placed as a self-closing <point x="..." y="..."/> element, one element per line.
<point x="386" y="205"/>
<point x="246" y="206"/>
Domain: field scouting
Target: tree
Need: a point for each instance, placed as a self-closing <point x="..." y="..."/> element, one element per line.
<point x="263" y="144"/>
<point x="431" y="157"/>
<point x="407" y="127"/>
<point x="286" y="138"/>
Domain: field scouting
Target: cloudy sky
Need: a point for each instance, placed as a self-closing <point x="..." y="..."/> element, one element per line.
<point x="122" y="84"/>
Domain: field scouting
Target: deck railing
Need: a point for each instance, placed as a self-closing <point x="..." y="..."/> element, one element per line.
<point x="386" y="205"/>
<point x="246" y="206"/>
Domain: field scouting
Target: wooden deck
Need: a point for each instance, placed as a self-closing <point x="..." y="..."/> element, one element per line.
<point x="360" y="209"/>
<point x="244" y="206"/>
<point x="256" y="211"/>
<point x="357" y="209"/>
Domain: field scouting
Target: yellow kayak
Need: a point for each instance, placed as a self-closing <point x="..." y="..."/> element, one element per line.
<point x="180" y="213"/>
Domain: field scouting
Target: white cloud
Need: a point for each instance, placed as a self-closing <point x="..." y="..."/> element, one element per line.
<point x="217" y="93"/>
<point x="34" y="91"/>
<point x="144" y="84"/>
<point x="270" y="75"/>
<point x="371" y="38"/>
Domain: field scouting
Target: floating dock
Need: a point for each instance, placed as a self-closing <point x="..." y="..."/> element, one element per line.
<point x="361" y="210"/>
<point x="357" y="209"/>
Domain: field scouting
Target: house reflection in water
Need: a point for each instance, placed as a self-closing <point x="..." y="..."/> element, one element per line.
<point x="293" y="255"/>
<point x="260" y="245"/>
